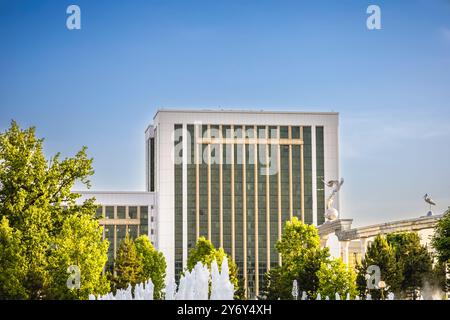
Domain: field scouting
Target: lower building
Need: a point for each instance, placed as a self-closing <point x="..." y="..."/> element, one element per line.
<point x="122" y="213"/>
<point x="351" y="243"/>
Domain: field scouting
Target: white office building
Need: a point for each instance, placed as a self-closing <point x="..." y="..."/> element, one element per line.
<point x="235" y="177"/>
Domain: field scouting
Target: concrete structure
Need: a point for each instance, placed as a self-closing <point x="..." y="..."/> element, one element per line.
<point x="354" y="241"/>
<point x="121" y="213"/>
<point x="235" y="177"/>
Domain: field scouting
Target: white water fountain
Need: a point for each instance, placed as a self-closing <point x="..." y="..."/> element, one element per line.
<point x="304" y="296"/>
<point x="294" y="290"/>
<point x="193" y="285"/>
<point x="142" y="291"/>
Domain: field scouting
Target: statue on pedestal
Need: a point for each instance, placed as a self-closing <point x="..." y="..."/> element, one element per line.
<point x="331" y="213"/>
<point x="430" y="201"/>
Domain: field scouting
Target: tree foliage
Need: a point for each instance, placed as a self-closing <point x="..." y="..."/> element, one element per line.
<point x="337" y="277"/>
<point x="13" y="263"/>
<point x="128" y="267"/>
<point x="37" y="210"/>
<point x="380" y="253"/>
<point x="441" y="238"/>
<point x="413" y="260"/>
<point x="79" y="243"/>
<point x="303" y="260"/>
<point x="153" y="264"/>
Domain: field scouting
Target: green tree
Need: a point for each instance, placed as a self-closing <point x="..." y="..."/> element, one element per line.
<point x="441" y="238"/>
<point x="302" y="258"/>
<point x="441" y="244"/>
<point x="36" y="201"/>
<point x="12" y="263"/>
<point x="414" y="261"/>
<point x="153" y="263"/>
<point x="205" y="252"/>
<point x="381" y="254"/>
<point x="128" y="267"/>
<point x="336" y="277"/>
<point x="79" y="243"/>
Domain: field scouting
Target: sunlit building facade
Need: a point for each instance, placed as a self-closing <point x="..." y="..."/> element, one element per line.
<point x="122" y="213"/>
<point x="235" y="177"/>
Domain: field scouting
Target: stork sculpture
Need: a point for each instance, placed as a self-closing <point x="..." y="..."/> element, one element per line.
<point x="427" y="199"/>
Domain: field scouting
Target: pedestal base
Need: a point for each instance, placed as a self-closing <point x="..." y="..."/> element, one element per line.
<point x="331" y="214"/>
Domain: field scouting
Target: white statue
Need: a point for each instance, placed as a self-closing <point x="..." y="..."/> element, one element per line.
<point x="331" y="213"/>
<point x="427" y="199"/>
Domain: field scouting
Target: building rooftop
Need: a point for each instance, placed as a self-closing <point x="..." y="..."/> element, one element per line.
<point x="254" y="111"/>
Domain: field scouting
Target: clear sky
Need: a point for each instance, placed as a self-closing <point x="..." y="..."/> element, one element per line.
<point x="100" y="86"/>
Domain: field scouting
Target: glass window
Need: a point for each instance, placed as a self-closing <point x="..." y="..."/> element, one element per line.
<point x="109" y="212"/>
<point x="273" y="132"/>
<point x="132" y="212"/>
<point x="121" y="212"/>
<point x="133" y="231"/>
<point x="295" y="132"/>
<point x="284" y="132"/>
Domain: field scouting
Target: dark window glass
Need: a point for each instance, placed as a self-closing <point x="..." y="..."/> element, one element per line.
<point x="178" y="203"/>
<point x="121" y="212"/>
<point x="152" y="164"/>
<point x="132" y="212"/>
<point x="320" y="176"/>
<point x="295" y="132"/>
<point x="109" y="214"/>
<point x="284" y="132"/>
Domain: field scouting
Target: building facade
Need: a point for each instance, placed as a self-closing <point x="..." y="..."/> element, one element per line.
<point x="235" y="177"/>
<point x="352" y="243"/>
<point x="122" y="213"/>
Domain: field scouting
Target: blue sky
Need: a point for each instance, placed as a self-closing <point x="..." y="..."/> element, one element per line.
<point x="100" y="86"/>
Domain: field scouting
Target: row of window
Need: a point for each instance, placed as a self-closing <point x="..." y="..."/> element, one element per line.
<point x="215" y="189"/>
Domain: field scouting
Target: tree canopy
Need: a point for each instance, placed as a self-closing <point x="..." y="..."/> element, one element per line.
<point x="43" y="230"/>
<point x="153" y="264"/>
<point x="441" y="238"/>
<point x="413" y="260"/>
<point x="304" y="260"/>
<point x="128" y="267"/>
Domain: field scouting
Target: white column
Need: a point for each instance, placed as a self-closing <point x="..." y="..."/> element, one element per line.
<point x="344" y="250"/>
<point x="363" y="243"/>
<point x="323" y="241"/>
